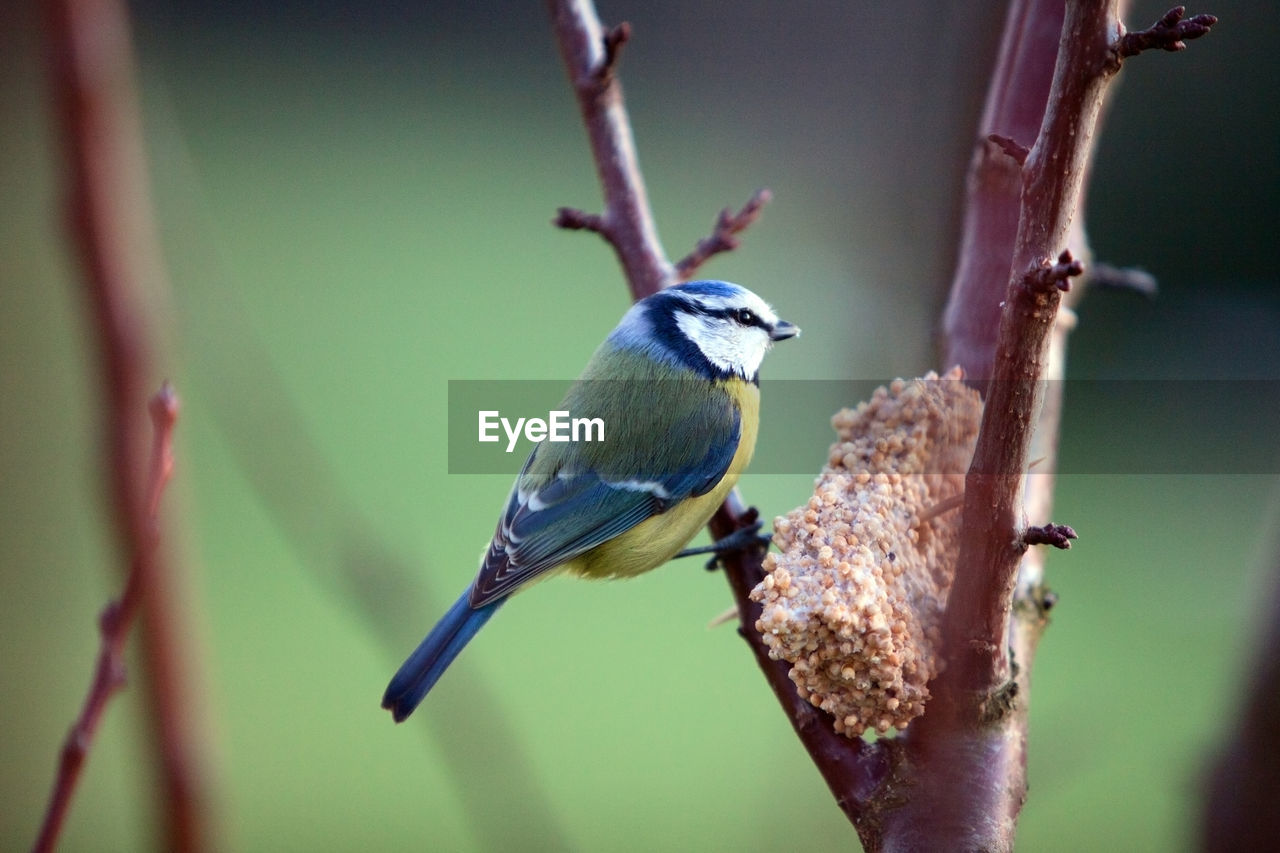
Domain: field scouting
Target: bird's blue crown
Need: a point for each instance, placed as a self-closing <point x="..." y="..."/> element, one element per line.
<point x="652" y="326"/>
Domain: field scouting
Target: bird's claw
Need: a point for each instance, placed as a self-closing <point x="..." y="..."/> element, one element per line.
<point x="743" y="539"/>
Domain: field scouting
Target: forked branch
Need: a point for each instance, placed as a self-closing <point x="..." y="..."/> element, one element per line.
<point x="957" y="780"/>
<point x="850" y="767"/>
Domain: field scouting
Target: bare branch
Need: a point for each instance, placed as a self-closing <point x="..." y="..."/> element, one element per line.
<point x="1171" y="33"/>
<point x="724" y="236"/>
<point x="614" y="40"/>
<point x="114" y="624"/>
<point x="964" y="774"/>
<point x="1016" y="151"/>
<point x="1054" y="276"/>
<point x="1109" y="277"/>
<point x="852" y="768"/>
<point x="1057" y="535"/>
<point x="109" y="206"/>
<point x="1243" y="782"/>
<point x="590" y="56"/>
<point x="1014" y="110"/>
<point x="572" y="219"/>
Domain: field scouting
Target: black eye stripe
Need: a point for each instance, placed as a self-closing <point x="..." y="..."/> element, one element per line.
<point x="741" y="316"/>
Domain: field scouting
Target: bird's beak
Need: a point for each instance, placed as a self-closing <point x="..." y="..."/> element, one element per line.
<point x="783" y="330"/>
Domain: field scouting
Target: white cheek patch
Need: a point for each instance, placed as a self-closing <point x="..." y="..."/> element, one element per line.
<point x="727" y="345"/>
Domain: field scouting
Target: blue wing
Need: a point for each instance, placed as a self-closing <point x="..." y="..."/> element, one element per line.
<point x="578" y="509"/>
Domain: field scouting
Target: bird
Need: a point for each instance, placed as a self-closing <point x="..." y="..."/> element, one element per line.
<point x="676" y="385"/>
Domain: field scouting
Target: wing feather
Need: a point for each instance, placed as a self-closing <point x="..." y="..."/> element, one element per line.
<point x="561" y="508"/>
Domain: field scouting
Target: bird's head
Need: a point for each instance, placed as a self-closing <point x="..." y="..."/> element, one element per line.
<point x="716" y="329"/>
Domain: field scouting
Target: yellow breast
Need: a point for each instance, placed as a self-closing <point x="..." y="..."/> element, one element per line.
<point x="656" y="540"/>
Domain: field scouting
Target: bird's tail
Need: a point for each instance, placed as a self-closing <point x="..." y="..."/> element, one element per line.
<point x="428" y="662"/>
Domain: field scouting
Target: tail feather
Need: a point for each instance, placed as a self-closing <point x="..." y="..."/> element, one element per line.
<point x="419" y="673"/>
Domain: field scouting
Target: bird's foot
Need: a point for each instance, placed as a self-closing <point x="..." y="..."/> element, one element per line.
<point x="743" y="539"/>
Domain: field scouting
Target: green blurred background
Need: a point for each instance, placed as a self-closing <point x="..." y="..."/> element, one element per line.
<point x="355" y="205"/>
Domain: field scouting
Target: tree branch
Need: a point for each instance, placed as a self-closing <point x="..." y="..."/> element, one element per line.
<point x="957" y="780"/>
<point x="114" y="625"/>
<point x="852" y="768"/>
<point x="590" y="55"/>
<point x="1171" y="33"/>
<point x="1243" y="783"/>
<point x="724" y="236"/>
<point x="965" y="760"/>
<point x="113" y="230"/>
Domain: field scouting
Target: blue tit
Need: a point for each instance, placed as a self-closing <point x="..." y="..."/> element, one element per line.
<point x="677" y="386"/>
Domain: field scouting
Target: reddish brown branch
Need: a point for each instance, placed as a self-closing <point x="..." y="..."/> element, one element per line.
<point x="1057" y="535"/>
<point x="724" y="236"/>
<point x="1171" y="32"/>
<point x="572" y="219"/>
<point x="1013" y="113"/>
<point x="965" y="764"/>
<point x="1016" y="151"/>
<point x="590" y="56"/>
<point x="976" y="625"/>
<point x="1243" y="782"/>
<point x="852" y="768"/>
<point x="1054" y="276"/>
<point x="114" y="625"/>
<point x="615" y="38"/>
<point x="111" y="222"/>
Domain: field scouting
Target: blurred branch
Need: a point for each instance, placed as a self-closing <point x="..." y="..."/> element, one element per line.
<point x="114" y="625"/>
<point x="851" y="768"/>
<point x="345" y="556"/>
<point x="1243" y="783"/>
<point x="111" y="222"/>
<point x="1108" y="277"/>
<point x="340" y="548"/>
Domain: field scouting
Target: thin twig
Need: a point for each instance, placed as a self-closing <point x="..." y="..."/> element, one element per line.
<point x="114" y="232"/>
<point x="724" y="236"/>
<point x="1052" y="275"/>
<point x="1108" y="277"/>
<point x="1014" y="150"/>
<point x="1056" y="535"/>
<point x="941" y="507"/>
<point x="591" y="55"/>
<point x="1171" y="33"/>
<point x="114" y="625"/>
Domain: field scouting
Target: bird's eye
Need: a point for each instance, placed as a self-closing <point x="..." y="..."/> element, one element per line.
<point x="747" y="317"/>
